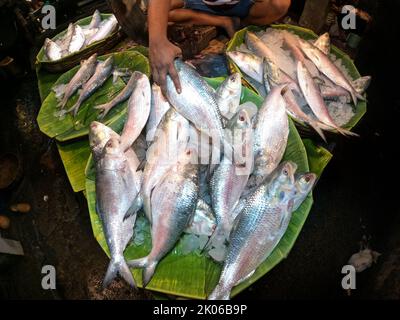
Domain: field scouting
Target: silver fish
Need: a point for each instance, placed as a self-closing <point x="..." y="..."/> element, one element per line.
<point x="228" y="95"/>
<point x="271" y="131"/>
<point x="138" y="110"/>
<point x="121" y="97"/>
<point x="101" y="74"/>
<point x="159" y="107"/>
<point x="105" y="28"/>
<point x="197" y="103"/>
<point x="96" y="20"/>
<point x="314" y="99"/>
<point x="230" y="179"/>
<point x="329" y="69"/>
<point x="66" y="39"/>
<point x="258" y="47"/>
<point x="174" y="203"/>
<point x="274" y="76"/>
<point x="52" y="50"/>
<point x="77" y="41"/>
<point x="84" y="73"/>
<point x="248" y="63"/>
<point x="171" y="138"/>
<point x="258" y="229"/>
<point x="114" y="196"/>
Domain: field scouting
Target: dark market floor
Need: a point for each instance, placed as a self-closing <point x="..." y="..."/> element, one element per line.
<point x="352" y="201"/>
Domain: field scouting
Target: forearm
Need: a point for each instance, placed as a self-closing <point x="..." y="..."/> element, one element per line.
<point x="158" y="12"/>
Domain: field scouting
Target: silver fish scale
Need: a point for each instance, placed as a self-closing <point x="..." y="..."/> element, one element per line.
<point x="197" y="102"/>
<point x="174" y="202"/>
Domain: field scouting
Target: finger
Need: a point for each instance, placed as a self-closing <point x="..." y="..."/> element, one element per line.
<point x="162" y="81"/>
<point x="175" y="78"/>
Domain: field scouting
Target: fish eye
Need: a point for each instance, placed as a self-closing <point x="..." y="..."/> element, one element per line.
<point x="307" y="179"/>
<point x="281" y="195"/>
<point x="241" y="118"/>
<point x="285" y="172"/>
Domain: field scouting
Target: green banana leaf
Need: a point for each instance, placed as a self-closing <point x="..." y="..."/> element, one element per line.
<point x="306" y="34"/>
<point x="42" y="59"/>
<point x="195" y="275"/>
<point x="74" y="127"/>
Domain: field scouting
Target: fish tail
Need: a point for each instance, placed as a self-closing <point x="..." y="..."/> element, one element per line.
<point x="318" y="130"/>
<point x="116" y="267"/>
<point x="148" y="266"/>
<point x="104" y="109"/>
<point x="75" y="108"/>
<point x="346" y="132"/>
<point x="220" y="292"/>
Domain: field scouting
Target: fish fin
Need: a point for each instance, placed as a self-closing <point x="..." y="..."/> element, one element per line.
<point x="321" y="44"/>
<point x="104" y="109"/>
<point x="121" y="267"/>
<point x="134" y="208"/>
<point x="75" y="108"/>
<point x="141" y="165"/>
<point x="148" y="273"/>
<point x="220" y="292"/>
<point x="138" y="263"/>
<point x="218" y="231"/>
<point x="246" y="277"/>
<point x="361" y="84"/>
<point x="346" y="132"/>
<point x="318" y="130"/>
<point x="60" y="113"/>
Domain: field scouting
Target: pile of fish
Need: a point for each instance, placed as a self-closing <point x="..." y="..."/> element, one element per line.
<point x="319" y="90"/>
<point x="90" y="77"/>
<point x="79" y="37"/>
<point x="213" y="168"/>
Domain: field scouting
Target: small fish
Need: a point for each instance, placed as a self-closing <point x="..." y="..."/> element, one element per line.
<point x="174" y="203"/>
<point x="258" y="229"/>
<point x="52" y="50"/>
<point x="314" y="99"/>
<point x="258" y="47"/>
<point x="248" y="63"/>
<point x="84" y="73"/>
<point x="271" y="131"/>
<point x="122" y="96"/>
<point x="274" y="76"/>
<point x="329" y="69"/>
<point x="77" y="41"/>
<point x="138" y="110"/>
<point x="96" y="20"/>
<point x="228" y="95"/>
<point x="101" y="74"/>
<point x="66" y="39"/>
<point x="104" y="30"/>
<point x="159" y="107"/>
<point x="114" y="196"/>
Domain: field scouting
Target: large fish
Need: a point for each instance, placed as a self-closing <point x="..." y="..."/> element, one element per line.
<point x="138" y="110"/>
<point x="114" y="197"/>
<point x="159" y="107"/>
<point x="105" y="28"/>
<point x="248" y="63"/>
<point x="197" y="103"/>
<point x="174" y="203"/>
<point x="229" y="178"/>
<point x="313" y="96"/>
<point x="228" y="95"/>
<point x="101" y="74"/>
<point x="271" y="131"/>
<point x="84" y="73"/>
<point x="258" y="229"/>
<point x="329" y="69"/>
<point x="171" y="138"/>
<point x="121" y="97"/>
